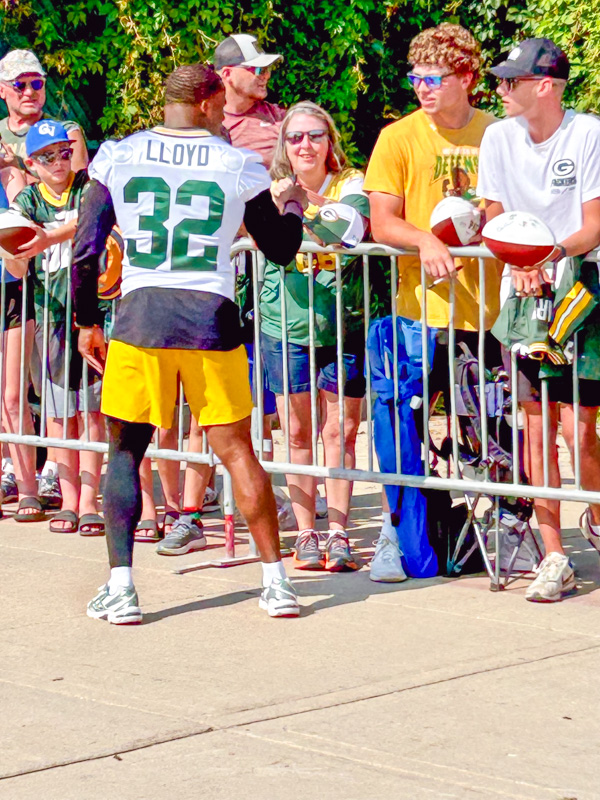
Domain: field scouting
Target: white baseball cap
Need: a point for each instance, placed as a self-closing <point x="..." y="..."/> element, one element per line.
<point x="19" y="62"/>
<point x="242" y="50"/>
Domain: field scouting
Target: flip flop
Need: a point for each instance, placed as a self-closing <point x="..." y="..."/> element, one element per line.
<point x="91" y="525"/>
<point x="65" y="516"/>
<point x="30" y="502"/>
<point x="147" y="531"/>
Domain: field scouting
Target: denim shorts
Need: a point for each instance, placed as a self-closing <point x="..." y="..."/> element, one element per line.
<point x="269" y="406"/>
<point x="326" y="367"/>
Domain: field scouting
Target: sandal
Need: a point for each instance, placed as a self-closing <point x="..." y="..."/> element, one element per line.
<point x="30" y="502"/>
<point x="170" y="517"/>
<point x="147" y="530"/>
<point x="65" y="516"/>
<point x="91" y="525"/>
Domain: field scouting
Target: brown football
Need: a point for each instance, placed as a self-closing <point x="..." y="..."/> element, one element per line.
<point x="12" y="238"/>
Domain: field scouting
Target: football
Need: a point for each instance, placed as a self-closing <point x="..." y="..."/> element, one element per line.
<point x="456" y="222"/>
<point x="111" y="266"/>
<point x="519" y="238"/>
<point x="15" y="231"/>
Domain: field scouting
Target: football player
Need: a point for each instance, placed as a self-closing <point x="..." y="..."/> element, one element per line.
<point x="179" y="194"/>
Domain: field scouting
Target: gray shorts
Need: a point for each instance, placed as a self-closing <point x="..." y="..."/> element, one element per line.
<point x="55" y="399"/>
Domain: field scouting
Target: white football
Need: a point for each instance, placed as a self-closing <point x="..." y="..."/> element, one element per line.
<point x="519" y="238"/>
<point x="456" y="222"/>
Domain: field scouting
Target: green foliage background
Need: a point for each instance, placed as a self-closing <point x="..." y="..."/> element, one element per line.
<point x="107" y="59"/>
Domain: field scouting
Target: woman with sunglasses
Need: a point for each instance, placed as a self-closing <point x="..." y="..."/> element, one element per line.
<point x="308" y="151"/>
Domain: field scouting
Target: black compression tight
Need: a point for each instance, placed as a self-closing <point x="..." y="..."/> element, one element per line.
<point x="122" y="491"/>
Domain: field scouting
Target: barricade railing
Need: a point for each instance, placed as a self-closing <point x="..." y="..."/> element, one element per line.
<point x="362" y="256"/>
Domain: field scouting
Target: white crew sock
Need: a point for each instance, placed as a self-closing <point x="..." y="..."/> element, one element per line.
<point x="120" y="578"/>
<point x="273" y="571"/>
<point x="387" y="529"/>
<point x="386" y="516"/>
<point x="50" y="469"/>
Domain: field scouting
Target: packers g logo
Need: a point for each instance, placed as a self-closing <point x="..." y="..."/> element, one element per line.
<point x="46" y="128"/>
<point x="563" y="168"/>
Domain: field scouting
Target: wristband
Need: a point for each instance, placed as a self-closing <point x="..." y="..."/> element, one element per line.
<point x="562" y="253"/>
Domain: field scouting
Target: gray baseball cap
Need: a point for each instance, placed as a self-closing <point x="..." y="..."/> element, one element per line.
<point x="19" y="62"/>
<point x="242" y="50"/>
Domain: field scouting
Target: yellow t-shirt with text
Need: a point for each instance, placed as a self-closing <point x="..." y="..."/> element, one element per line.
<point x="422" y="163"/>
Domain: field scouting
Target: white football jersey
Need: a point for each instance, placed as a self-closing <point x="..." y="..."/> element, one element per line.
<point x="179" y="198"/>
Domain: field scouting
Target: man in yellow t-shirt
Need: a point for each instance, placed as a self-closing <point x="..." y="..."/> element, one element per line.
<point x="428" y="155"/>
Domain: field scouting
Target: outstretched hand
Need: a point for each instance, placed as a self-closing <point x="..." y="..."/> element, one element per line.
<point x="285" y="190"/>
<point x="92" y="347"/>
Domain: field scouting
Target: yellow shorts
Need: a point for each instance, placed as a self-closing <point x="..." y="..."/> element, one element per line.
<point x="141" y="384"/>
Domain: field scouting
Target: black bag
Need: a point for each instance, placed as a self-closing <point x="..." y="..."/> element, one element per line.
<point x="444" y="525"/>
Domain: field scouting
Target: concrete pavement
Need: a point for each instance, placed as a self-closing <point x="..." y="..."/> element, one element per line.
<point x="423" y="690"/>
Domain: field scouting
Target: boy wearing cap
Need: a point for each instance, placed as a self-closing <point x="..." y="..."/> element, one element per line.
<point x="545" y="160"/>
<point x="53" y="204"/>
<point x="245" y="70"/>
<point x="23" y="89"/>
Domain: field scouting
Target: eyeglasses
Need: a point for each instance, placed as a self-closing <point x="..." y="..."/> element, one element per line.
<point x="512" y="82"/>
<point x="296" y="137"/>
<point x="37" y="84"/>
<point x="49" y="158"/>
<point x="430" y="81"/>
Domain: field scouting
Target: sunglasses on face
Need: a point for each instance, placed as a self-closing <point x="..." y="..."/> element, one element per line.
<point x="49" y="158"/>
<point x="37" y="84"/>
<point x="296" y="137"/>
<point x="430" y="81"/>
<point x="512" y="82"/>
<point x="258" y="70"/>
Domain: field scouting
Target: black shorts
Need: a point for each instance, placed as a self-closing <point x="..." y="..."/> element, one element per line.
<point x="13" y="308"/>
<point x="560" y="390"/>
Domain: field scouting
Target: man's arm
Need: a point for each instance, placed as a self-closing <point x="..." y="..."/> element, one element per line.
<point x="279" y="236"/>
<point x="388" y="227"/>
<point x="80" y="158"/>
<point x="588" y="236"/>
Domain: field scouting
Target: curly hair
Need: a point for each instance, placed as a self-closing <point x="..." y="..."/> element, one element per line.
<point x="192" y="83"/>
<point x="449" y="46"/>
<point x="336" y="158"/>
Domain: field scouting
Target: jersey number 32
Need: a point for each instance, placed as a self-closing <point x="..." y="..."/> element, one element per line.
<point x="155" y="223"/>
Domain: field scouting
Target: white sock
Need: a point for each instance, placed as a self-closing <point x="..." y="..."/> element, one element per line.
<point x="120" y="578"/>
<point x="50" y="469"/>
<point x="386" y="517"/>
<point x="273" y="571"/>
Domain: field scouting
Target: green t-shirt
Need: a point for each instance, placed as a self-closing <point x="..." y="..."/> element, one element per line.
<point x="36" y="203"/>
<point x="344" y="187"/>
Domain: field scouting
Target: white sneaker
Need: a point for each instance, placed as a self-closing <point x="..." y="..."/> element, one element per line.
<point x="386" y="565"/>
<point x="585" y="523"/>
<point x="279" y="599"/>
<point x="555" y="580"/>
<point x="321" y="510"/>
<point x="211" y="500"/>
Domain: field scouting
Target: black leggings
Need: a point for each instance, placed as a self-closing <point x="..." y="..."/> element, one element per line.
<point x="122" y="490"/>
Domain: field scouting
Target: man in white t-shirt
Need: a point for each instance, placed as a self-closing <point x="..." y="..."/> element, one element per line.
<point x="545" y="160"/>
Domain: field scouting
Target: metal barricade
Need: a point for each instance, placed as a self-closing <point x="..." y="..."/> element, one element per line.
<point x="366" y="470"/>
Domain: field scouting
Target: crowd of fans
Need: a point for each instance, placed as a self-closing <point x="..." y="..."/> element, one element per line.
<point x="447" y="148"/>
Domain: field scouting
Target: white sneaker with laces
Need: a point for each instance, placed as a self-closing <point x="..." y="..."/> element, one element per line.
<point x="585" y="523"/>
<point x="555" y="579"/>
<point x="386" y="565"/>
<point x="211" y="500"/>
<point x="279" y="599"/>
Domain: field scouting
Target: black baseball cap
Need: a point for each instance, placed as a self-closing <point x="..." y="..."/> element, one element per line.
<point x="242" y="50"/>
<point x="534" y="57"/>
